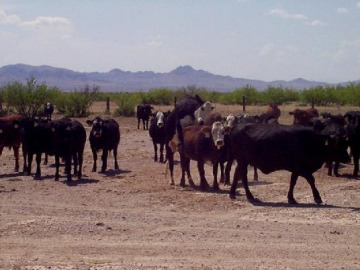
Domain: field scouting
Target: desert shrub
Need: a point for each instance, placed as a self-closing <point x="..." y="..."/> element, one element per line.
<point x="126" y="103"/>
<point x="28" y="99"/>
<point x="162" y="96"/>
<point x="77" y="103"/>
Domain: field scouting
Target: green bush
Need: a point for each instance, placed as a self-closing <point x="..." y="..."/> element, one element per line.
<point x="77" y="104"/>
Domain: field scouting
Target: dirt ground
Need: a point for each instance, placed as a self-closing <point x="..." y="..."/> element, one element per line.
<point x="134" y="218"/>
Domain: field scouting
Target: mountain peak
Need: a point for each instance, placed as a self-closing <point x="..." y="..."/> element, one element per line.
<point x="182" y="70"/>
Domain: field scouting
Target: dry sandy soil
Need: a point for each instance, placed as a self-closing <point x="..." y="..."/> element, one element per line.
<point x="134" y="219"/>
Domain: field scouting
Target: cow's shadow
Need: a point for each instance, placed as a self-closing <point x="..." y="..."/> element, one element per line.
<point x="112" y="172"/>
<point x="302" y="205"/>
<point x="9" y="175"/>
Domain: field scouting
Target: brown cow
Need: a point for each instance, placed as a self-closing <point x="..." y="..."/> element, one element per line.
<point x="203" y="144"/>
<point x="10" y="135"/>
<point x="304" y="117"/>
<point x="274" y="111"/>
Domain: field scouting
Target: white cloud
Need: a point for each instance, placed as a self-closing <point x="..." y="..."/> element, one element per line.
<point x="285" y="14"/>
<point x="348" y="49"/>
<point x="342" y="10"/>
<point x="358" y="4"/>
<point x="267" y="49"/>
<point x="156" y="41"/>
<point x="46" y="21"/>
<point x="315" y="23"/>
<point x="9" y="19"/>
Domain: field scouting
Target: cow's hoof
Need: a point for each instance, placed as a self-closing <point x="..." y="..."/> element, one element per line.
<point x="292" y="201"/>
<point x="232" y="196"/>
<point x="216" y="188"/>
<point x="318" y="201"/>
<point x="37" y="177"/>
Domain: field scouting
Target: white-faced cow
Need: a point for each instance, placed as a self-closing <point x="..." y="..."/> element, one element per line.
<point x="105" y="135"/>
<point x="202" y="143"/>
<point x="143" y="113"/>
<point x="157" y="133"/>
<point x="297" y="149"/>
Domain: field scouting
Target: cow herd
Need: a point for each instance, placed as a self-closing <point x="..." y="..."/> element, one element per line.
<point x="257" y="140"/>
<point x="197" y="132"/>
<point x="62" y="138"/>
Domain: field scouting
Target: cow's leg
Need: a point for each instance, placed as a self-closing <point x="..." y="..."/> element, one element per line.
<point x="94" y="158"/>
<point x="222" y="174"/>
<point x="290" y="196"/>
<point x="104" y="160"/>
<point x="80" y="159"/>
<point x="215" y="173"/>
<point x="138" y="125"/>
<point x="187" y="169"/>
<point x="336" y="168"/>
<point x="155" y="152"/>
<point x="46" y="159"/>
<point x="76" y="163"/>
<point x="24" y="151"/>
<point x="183" y="160"/>
<point x="161" y="152"/>
<point x="203" y="183"/>
<point x="311" y="180"/>
<point x="68" y="167"/>
<point x="256" y="176"/>
<point x="356" y="163"/>
<point x="329" y="165"/>
<point x="57" y="165"/>
<point x="243" y="175"/>
<point x="30" y="158"/>
<point x="227" y="171"/>
<point x="16" y="155"/>
<point x="116" y="166"/>
<point x="38" y="170"/>
<point x="170" y="157"/>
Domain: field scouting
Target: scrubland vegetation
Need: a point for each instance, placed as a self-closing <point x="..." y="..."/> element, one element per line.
<point x="28" y="99"/>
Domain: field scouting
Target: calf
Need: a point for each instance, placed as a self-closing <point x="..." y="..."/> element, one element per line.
<point x="105" y="135"/>
<point x="157" y="134"/>
<point x="48" y="110"/>
<point x="304" y="117"/>
<point x="353" y="132"/>
<point x="296" y="149"/>
<point x="203" y="144"/>
<point x="10" y="135"/>
<point x="143" y="112"/>
<point x="69" y="137"/>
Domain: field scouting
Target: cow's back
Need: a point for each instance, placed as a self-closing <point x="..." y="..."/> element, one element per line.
<point x="10" y="131"/>
<point x="278" y="147"/>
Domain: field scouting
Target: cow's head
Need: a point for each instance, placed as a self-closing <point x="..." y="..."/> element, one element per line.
<point x="97" y="126"/>
<point x="160" y="119"/>
<point x="230" y="120"/>
<point x="217" y="132"/>
<point x="203" y="111"/>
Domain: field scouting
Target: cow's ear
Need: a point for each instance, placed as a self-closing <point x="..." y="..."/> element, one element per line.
<point x="89" y="122"/>
<point x="206" y="130"/>
<point x="198" y="99"/>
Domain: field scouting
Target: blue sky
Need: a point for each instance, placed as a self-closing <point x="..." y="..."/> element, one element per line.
<point x="254" y="39"/>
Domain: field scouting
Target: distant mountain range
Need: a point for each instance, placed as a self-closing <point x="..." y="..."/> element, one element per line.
<point x="118" y="80"/>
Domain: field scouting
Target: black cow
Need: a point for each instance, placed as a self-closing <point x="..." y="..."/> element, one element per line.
<point x="48" y="110"/>
<point x="143" y="112"/>
<point x="333" y="127"/>
<point x="203" y="144"/>
<point x="105" y="135"/>
<point x="37" y="138"/>
<point x="10" y="135"/>
<point x="304" y="117"/>
<point x="183" y="107"/>
<point x="296" y="149"/>
<point x="353" y="132"/>
<point x="157" y="133"/>
<point x="69" y="137"/>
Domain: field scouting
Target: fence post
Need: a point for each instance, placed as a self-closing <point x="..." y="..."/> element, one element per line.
<point x="243" y="103"/>
<point x="107" y="111"/>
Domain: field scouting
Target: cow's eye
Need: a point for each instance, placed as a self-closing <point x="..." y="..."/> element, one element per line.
<point x="202" y="108"/>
